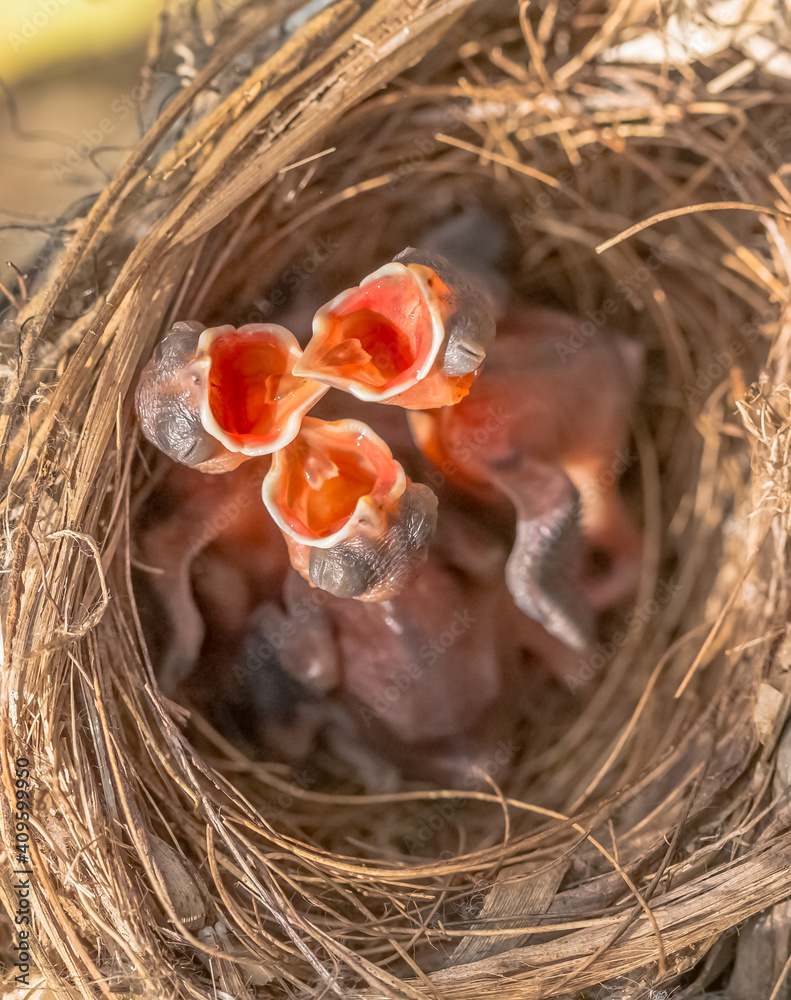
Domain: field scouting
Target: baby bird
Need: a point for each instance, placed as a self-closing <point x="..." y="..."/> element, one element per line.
<point x="206" y="552"/>
<point x="546" y="427"/>
<point x="355" y="525"/>
<point x="213" y="398"/>
<point x="413" y="333"/>
<point x="436" y="659"/>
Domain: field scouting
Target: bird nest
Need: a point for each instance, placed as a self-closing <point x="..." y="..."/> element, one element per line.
<point x="639" y="155"/>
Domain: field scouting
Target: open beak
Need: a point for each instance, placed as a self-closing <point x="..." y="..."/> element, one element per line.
<point x="253" y="403"/>
<point x="354" y="524"/>
<point x="413" y="333"/>
<point x="213" y="398"/>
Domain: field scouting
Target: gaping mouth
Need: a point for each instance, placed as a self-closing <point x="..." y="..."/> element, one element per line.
<point x="333" y="479"/>
<point x="253" y="402"/>
<point x="380" y="338"/>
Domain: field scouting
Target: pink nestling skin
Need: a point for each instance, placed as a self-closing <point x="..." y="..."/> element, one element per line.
<point x="206" y="551"/>
<point x="436" y="680"/>
<point x="210" y="566"/>
<point x="548" y="426"/>
<point x="431" y="683"/>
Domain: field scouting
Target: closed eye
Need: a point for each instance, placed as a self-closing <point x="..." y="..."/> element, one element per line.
<point x="199" y="451"/>
<point x="472" y="350"/>
<point x="190" y="452"/>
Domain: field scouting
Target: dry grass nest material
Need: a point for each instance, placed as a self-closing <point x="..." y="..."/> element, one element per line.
<point x="656" y="818"/>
